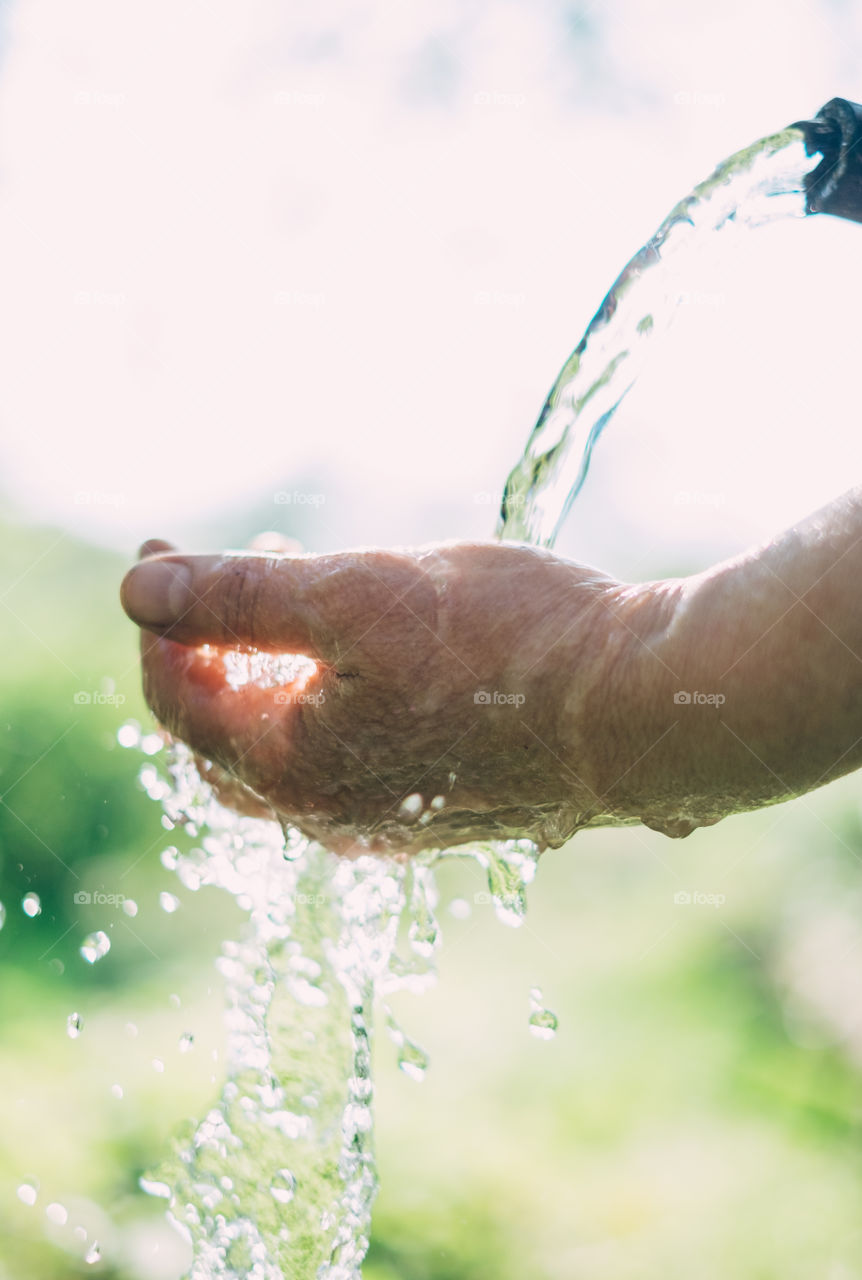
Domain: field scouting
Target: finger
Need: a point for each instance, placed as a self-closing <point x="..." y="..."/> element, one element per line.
<point x="153" y="547"/>
<point x="232" y="599"/>
<point x="240" y="729"/>
<point x="272" y="540"/>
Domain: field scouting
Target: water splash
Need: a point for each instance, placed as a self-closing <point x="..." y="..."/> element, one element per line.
<point x="278" y="1179"/>
<point x="760" y="184"/>
<point x="31" y="905"/>
<point x="95" y="946"/>
<point x="543" y="1023"/>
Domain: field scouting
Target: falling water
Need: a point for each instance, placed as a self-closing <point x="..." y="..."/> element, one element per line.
<point x="763" y="183"/>
<point x="278" y="1178"/>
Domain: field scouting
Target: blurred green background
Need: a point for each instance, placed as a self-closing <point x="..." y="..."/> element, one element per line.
<point x="698" y="1113"/>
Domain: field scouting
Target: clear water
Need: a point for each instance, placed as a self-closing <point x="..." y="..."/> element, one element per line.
<point x="278" y="1178"/>
<point x="763" y="183"/>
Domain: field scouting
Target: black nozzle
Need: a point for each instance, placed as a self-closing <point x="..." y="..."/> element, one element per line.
<point x="835" y="186"/>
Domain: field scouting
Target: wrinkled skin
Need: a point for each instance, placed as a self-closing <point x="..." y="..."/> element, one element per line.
<point x="469" y="680"/>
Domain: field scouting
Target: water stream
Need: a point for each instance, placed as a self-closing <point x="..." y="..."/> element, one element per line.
<point x="763" y="183"/>
<point x="278" y="1178"/>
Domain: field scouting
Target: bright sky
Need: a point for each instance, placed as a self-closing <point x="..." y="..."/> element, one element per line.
<point x="340" y="251"/>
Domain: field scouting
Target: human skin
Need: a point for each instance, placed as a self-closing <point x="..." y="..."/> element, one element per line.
<point x="470" y="691"/>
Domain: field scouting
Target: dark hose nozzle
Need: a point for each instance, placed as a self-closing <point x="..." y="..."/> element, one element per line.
<point x="835" y="186"/>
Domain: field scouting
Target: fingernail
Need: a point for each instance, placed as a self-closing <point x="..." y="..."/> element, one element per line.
<point x="157" y="592"/>
<point x="154" y="547"/>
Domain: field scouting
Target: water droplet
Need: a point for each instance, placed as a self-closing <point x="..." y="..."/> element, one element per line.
<point x="74" y="1024"/>
<point x="117" y="1091"/>
<point x="411" y="807"/>
<point x="27" y="1193"/>
<point x="187" y="1041"/>
<point x="423" y="933"/>
<point x="439" y="802"/>
<point x="2" y="915"/>
<point x="57" y="965"/>
<point x="158" y="1065"/>
<point x="460" y="908"/>
<point x="130" y="907"/>
<point x="413" y="1060"/>
<point x="168" y="902"/>
<point x="129" y="734"/>
<point x="94" y="1253"/>
<point x="57" y="1213"/>
<point x="31" y="905"/>
<point x="175" y="1000"/>
<point x="283" y="1186"/>
<point x="543" y="1023"/>
<point x="131" y="1030"/>
<point x="95" y="946"/>
<point x="153" y="1188"/>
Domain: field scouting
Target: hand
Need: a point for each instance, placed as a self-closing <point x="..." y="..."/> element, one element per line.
<point x="460" y="690"/>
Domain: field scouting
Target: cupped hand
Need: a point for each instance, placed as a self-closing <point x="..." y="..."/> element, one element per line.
<point x="459" y="692"/>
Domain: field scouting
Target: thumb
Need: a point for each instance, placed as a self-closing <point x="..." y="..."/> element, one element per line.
<point x="237" y="598"/>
